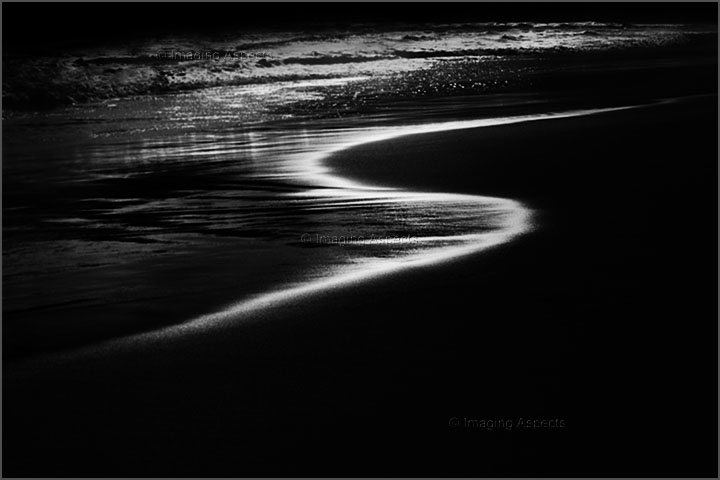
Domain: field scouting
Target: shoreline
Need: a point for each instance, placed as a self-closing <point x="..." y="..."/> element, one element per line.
<point x="315" y="164"/>
<point x="394" y="356"/>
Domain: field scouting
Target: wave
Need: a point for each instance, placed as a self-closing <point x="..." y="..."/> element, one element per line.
<point x="333" y="59"/>
<point x="177" y="64"/>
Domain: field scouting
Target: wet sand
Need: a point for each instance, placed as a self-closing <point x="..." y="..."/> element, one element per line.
<point x="603" y="317"/>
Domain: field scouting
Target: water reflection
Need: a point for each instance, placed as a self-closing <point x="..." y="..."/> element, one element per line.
<point x="223" y="218"/>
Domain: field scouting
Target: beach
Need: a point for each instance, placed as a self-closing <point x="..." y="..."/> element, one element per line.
<point x="367" y="378"/>
<point x="286" y="241"/>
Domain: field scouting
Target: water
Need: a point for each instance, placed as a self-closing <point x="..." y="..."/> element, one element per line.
<point x="165" y="213"/>
<point x="370" y="59"/>
<point x="208" y="228"/>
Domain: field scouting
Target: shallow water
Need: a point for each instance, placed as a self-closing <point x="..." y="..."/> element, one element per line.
<point x="198" y="229"/>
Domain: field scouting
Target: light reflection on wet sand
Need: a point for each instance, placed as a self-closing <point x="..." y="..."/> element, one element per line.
<point x="221" y="216"/>
<point x="178" y="232"/>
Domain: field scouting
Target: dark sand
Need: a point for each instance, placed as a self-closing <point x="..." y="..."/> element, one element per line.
<point x="604" y="317"/>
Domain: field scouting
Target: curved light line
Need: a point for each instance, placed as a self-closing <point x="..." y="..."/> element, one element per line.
<point x="340" y="187"/>
<point x="319" y="174"/>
